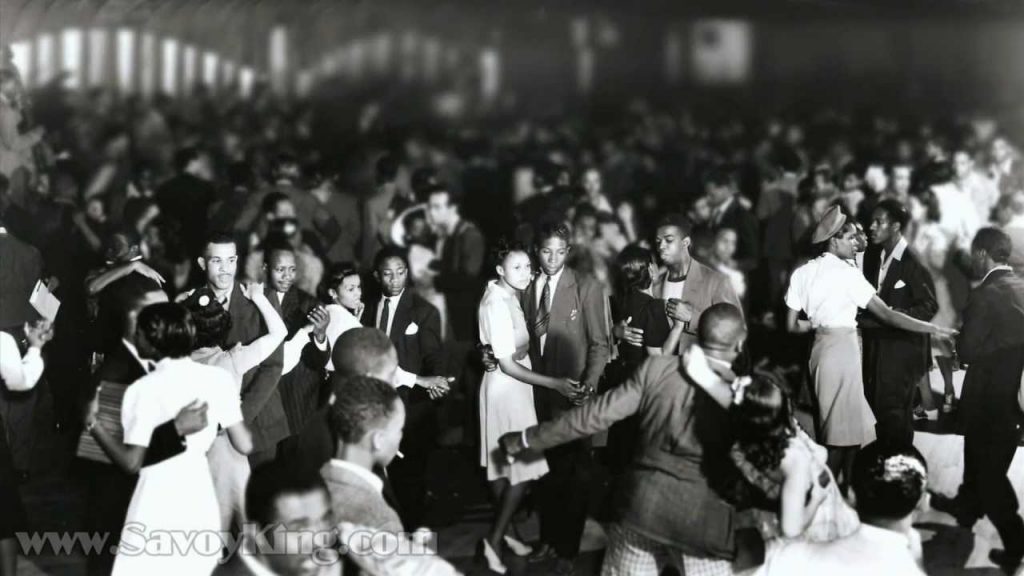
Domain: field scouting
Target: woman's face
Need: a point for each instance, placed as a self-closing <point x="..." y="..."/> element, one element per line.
<point x="725" y="245"/>
<point x="516" y="270"/>
<point x="350" y="292"/>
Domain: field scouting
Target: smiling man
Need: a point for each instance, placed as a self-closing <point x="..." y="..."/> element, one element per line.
<point x="895" y="360"/>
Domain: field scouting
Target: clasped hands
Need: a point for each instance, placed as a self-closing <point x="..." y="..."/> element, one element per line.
<point x="436" y="386"/>
<point x="576" y="392"/>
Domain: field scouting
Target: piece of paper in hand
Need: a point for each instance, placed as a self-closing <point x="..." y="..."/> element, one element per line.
<point x="44" y="301"/>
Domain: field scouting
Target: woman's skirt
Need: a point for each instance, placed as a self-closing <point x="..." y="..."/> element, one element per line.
<point x="844" y="417"/>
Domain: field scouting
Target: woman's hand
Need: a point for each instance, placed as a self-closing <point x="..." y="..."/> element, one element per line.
<point x="253" y="290"/>
<point x="360" y="308"/>
<point x="144" y="269"/>
<point x="320" y="319"/>
<point x="944" y="333"/>
<point x="569" y="388"/>
<point x="39" y="333"/>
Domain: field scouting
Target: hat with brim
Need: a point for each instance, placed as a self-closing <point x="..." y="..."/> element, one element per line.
<point x="830" y="224"/>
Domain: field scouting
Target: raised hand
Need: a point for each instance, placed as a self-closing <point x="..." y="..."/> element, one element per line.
<point x="678" y="310"/>
<point x="320" y="319"/>
<point x="144" y="269"/>
<point x="38" y="333"/>
<point x="253" y="290"/>
<point x="359" y="310"/>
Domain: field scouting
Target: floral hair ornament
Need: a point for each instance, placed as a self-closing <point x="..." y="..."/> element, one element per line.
<point x="739" y="389"/>
<point x="204" y="300"/>
<point x="898" y="466"/>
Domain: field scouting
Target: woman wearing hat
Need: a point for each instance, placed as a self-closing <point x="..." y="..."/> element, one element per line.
<point x="829" y="290"/>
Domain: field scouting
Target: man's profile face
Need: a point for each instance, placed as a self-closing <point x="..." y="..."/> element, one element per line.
<point x="392" y="275"/>
<point x="389" y="438"/>
<point x="220" y="261"/>
<point x="882" y="227"/>
<point x="304" y="523"/>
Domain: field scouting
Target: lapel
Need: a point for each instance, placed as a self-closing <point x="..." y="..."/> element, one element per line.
<point x="403" y="316"/>
<point x="271" y="295"/>
<point x="694" y="281"/>
<point x="564" y="301"/>
<point x="894" y="274"/>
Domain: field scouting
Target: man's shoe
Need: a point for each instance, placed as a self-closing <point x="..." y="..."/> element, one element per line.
<point x="541" y="552"/>
<point x="1007" y="561"/>
<point x="952" y="507"/>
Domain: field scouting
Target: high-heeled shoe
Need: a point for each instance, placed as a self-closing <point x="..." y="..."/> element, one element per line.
<point x="494" y="563"/>
<point x="517" y="547"/>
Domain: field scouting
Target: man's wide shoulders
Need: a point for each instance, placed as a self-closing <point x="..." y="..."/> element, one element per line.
<point x="656" y="368"/>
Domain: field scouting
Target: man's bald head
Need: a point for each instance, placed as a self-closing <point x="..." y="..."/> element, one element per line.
<point x="722" y="330"/>
<point x="365" y="352"/>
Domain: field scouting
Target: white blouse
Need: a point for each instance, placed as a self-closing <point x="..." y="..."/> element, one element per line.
<point x="829" y="290"/>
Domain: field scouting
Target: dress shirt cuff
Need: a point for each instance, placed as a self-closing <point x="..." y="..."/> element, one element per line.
<point x="403" y="378"/>
<point x="321" y="345"/>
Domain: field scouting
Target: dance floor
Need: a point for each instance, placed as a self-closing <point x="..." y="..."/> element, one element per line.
<point x="462" y="512"/>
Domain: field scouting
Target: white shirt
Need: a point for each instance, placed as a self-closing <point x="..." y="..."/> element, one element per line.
<point x="830" y="291"/>
<point x="720" y="211"/>
<point x="869" y="550"/>
<point x="989" y="273"/>
<point x="553" y="282"/>
<point x="341" y="321"/>
<point x="897" y="254"/>
<point x="392" y="306"/>
<point x="958" y="214"/>
<point x="147" y="366"/>
<point x="293" y="348"/>
<point x="19" y="374"/>
<point x="364" y="473"/>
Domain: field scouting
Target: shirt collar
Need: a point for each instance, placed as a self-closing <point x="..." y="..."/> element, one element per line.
<point x="723" y="207"/>
<point x="256" y="567"/>
<point x="366" y="474"/>
<point x="989" y="273"/>
<point x="1015" y="222"/>
<point x="553" y="279"/>
<point x="395" y="299"/>
<point x="899" y="249"/>
<point x="147" y="366"/>
<point x="884" y="537"/>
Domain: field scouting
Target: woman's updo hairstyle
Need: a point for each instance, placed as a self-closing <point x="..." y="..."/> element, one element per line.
<point x="763" y="420"/>
<point x="168" y="328"/>
<point x="502" y="248"/>
<point x="212" y="322"/>
<point x="333" y="279"/>
<point x="633" y="269"/>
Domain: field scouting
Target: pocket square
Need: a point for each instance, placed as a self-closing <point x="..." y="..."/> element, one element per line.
<point x="899" y="284"/>
<point x="412" y="329"/>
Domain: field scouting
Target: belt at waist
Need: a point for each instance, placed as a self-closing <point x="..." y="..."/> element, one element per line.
<point x="828" y="330"/>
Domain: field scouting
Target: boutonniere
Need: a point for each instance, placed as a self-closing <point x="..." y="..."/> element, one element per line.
<point x="412" y="330"/>
<point x="573" y="315"/>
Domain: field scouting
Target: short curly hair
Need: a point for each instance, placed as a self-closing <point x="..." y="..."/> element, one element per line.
<point x="362" y="404"/>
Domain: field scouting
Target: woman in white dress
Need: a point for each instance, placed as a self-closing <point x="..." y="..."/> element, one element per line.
<point x="342" y="293"/>
<point x="229" y="467"/>
<point x="506" y="395"/>
<point x="176" y="495"/>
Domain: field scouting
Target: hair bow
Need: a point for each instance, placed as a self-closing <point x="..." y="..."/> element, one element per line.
<point x="739" y="388"/>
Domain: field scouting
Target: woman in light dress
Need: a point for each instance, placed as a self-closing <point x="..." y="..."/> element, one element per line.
<point x="341" y="292"/>
<point x="506" y="395"/>
<point x="229" y="467"/>
<point x="176" y="495"/>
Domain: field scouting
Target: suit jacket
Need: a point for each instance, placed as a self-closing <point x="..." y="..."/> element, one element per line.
<point x="991" y="342"/>
<point x="21" y="266"/>
<point x="301" y="389"/>
<point x="891" y="354"/>
<point x="578" y="342"/>
<point x="261" y="402"/>
<point x="677" y="422"/>
<point x="419" y="353"/>
<point x="747" y="230"/>
<point x="462" y="261"/>
<point x="355" y="500"/>
<point x="704" y="288"/>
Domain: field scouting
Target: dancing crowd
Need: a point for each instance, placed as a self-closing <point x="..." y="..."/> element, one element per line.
<point x="272" y="313"/>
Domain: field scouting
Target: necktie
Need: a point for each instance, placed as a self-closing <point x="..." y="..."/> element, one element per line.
<point x="383" y="325"/>
<point x="544" y="313"/>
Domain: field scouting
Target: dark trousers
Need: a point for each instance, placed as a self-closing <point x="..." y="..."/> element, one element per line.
<point x="109" y="492"/>
<point x="563" y="496"/>
<point x="892" y="401"/>
<point x="408" y="475"/>
<point x="986" y="490"/>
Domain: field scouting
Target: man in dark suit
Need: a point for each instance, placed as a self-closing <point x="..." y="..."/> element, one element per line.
<point x="991" y="343"/>
<point x="22" y="268"/>
<point x="305" y="351"/>
<point x="186" y="198"/>
<point x="414" y="327"/>
<point x="459" y="279"/>
<point x="895" y="360"/>
<point x="109" y="488"/>
<point x="727" y="212"/>
<point x="682" y="424"/>
<point x="261" y="402"/>
<point x="567" y="319"/>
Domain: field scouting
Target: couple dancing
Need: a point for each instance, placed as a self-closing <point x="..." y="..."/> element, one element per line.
<point x="549" y="339"/>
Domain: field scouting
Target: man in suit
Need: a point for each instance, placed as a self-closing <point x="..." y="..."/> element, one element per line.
<point x="678" y="418"/>
<point x="261" y="402"/>
<point x="895" y="360"/>
<point x="566" y="317"/>
<point x="366" y="421"/>
<point x="727" y="212"/>
<point x="109" y="488"/>
<point x="186" y="198"/>
<point x="991" y="343"/>
<point x="687" y="286"/>
<point x="305" y="351"/>
<point x="462" y="249"/>
<point x="414" y="326"/>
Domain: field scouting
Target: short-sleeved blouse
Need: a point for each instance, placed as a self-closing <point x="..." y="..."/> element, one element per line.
<point x="502" y="324"/>
<point x="829" y="290"/>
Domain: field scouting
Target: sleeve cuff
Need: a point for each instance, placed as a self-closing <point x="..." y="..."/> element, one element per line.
<point x="403" y="378"/>
<point x="317" y="343"/>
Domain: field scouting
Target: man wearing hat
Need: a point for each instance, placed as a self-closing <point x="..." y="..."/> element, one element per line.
<point x="830" y="290"/>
